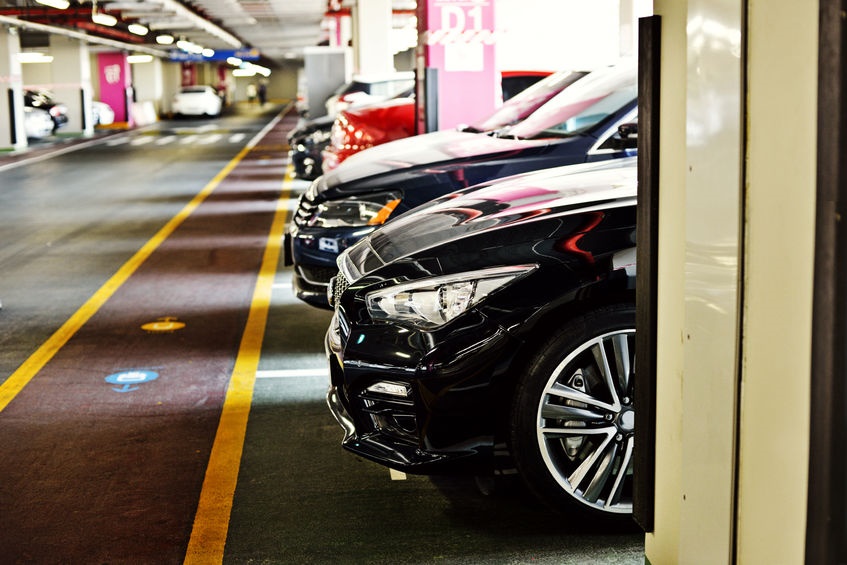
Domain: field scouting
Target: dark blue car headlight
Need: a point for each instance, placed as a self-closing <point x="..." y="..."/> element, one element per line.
<point x="431" y="303"/>
<point x="367" y="210"/>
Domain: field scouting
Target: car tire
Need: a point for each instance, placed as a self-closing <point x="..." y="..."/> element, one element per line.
<point x="572" y="432"/>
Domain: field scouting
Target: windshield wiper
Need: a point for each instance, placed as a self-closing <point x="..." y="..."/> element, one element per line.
<point x="503" y="134"/>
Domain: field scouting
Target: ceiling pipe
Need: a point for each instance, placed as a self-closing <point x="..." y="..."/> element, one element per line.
<point x="205" y="25"/>
<point x="24" y="24"/>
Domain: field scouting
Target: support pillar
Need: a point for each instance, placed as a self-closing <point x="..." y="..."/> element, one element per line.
<point x="71" y="71"/>
<point x="116" y="84"/>
<point x="12" y="133"/>
<point x="456" y="63"/>
<point x="372" y="37"/>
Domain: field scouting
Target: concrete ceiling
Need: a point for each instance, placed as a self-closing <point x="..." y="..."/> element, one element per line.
<point x="278" y="29"/>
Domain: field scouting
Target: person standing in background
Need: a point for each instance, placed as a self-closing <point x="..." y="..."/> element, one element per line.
<point x="263" y="93"/>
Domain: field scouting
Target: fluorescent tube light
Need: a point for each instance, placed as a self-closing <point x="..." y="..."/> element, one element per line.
<point x="103" y="19"/>
<point x="58" y="4"/>
<point x="30" y="57"/>
<point x="139" y="58"/>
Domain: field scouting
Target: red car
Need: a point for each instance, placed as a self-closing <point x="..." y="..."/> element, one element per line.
<point x="357" y="129"/>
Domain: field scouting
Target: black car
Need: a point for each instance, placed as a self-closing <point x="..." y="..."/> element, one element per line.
<point x="579" y="124"/>
<point x="306" y="142"/>
<point x="43" y="100"/>
<point x="499" y="319"/>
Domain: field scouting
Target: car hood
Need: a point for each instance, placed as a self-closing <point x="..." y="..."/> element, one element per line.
<point x="380" y="110"/>
<point x="430" y="149"/>
<point x="497" y="205"/>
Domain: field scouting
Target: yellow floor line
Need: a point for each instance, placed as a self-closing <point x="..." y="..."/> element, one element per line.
<point x="29" y="368"/>
<point x="211" y="522"/>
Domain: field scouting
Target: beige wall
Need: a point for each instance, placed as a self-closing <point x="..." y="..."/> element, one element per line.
<point x="736" y="250"/>
<point x="779" y="252"/>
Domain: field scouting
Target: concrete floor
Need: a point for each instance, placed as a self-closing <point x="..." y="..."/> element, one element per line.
<point x="206" y="442"/>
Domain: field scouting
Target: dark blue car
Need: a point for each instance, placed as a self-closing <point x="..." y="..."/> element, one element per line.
<point x="580" y="124"/>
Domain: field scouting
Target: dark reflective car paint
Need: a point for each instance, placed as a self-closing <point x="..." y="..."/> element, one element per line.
<point x="358" y="129"/>
<point x="573" y="223"/>
<point x="428" y="166"/>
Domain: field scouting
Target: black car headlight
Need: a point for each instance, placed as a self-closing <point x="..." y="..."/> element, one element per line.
<point x="369" y="210"/>
<point x="431" y="303"/>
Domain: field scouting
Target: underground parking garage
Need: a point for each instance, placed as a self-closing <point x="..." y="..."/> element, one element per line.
<point x="164" y="392"/>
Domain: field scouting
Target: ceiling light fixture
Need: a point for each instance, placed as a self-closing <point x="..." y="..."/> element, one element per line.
<point x="165" y="39"/>
<point x="103" y="19"/>
<point x="33" y="57"/>
<point x="137" y="29"/>
<point x="58" y="4"/>
<point x="133" y="59"/>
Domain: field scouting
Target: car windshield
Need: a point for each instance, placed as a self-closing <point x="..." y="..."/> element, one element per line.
<point x="582" y="106"/>
<point x="522" y="105"/>
<point x="194" y="90"/>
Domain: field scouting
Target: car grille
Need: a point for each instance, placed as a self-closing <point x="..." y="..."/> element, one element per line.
<point x="338" y="285"/>
<point x="305" y="209"/>
<point x="317" y="275"/>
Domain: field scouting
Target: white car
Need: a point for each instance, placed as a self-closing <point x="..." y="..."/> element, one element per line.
<point x="197" y="101"/>
<point x="38" y="123"/>
<point x="102" y="113"/>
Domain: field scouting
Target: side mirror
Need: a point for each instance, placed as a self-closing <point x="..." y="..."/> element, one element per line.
<point x="624" y="139"/>
<point x="627" y="137"/>
<point x="628" y="131"/>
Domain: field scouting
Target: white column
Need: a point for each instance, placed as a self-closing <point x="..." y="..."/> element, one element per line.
<point x="12" y="134"/>
<point x="71" y="69"/>
<point x="372" y="37"/>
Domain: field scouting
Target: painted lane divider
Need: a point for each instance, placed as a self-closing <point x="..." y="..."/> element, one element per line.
<point x="211" y="520"/>
<point x="127" y="379"/>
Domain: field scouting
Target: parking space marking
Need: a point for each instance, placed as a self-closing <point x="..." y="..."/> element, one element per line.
<point x="291" y="373"/>
<point x="210" y="139"/>
<point x="166" y="140"/>
<point x="211" y="521"/>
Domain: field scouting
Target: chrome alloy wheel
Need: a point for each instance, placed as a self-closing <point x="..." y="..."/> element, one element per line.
<point x="586" y="422"/>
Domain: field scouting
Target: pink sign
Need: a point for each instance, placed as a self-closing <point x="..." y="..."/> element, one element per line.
<point x="458" y="40"/>
<point x="115" y="83"/>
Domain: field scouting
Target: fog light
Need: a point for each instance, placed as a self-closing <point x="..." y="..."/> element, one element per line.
<point x="393" y="389"/>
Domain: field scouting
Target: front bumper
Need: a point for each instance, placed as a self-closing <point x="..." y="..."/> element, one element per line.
<point x="448" y="420"/>
<point x="313" y="254"/>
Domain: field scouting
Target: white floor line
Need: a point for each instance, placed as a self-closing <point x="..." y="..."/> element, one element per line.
<point x="291" y="373"/>
<point x="210" y="139"/>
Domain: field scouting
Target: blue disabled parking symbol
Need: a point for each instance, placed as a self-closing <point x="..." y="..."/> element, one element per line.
<point x="128" y="380"/>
